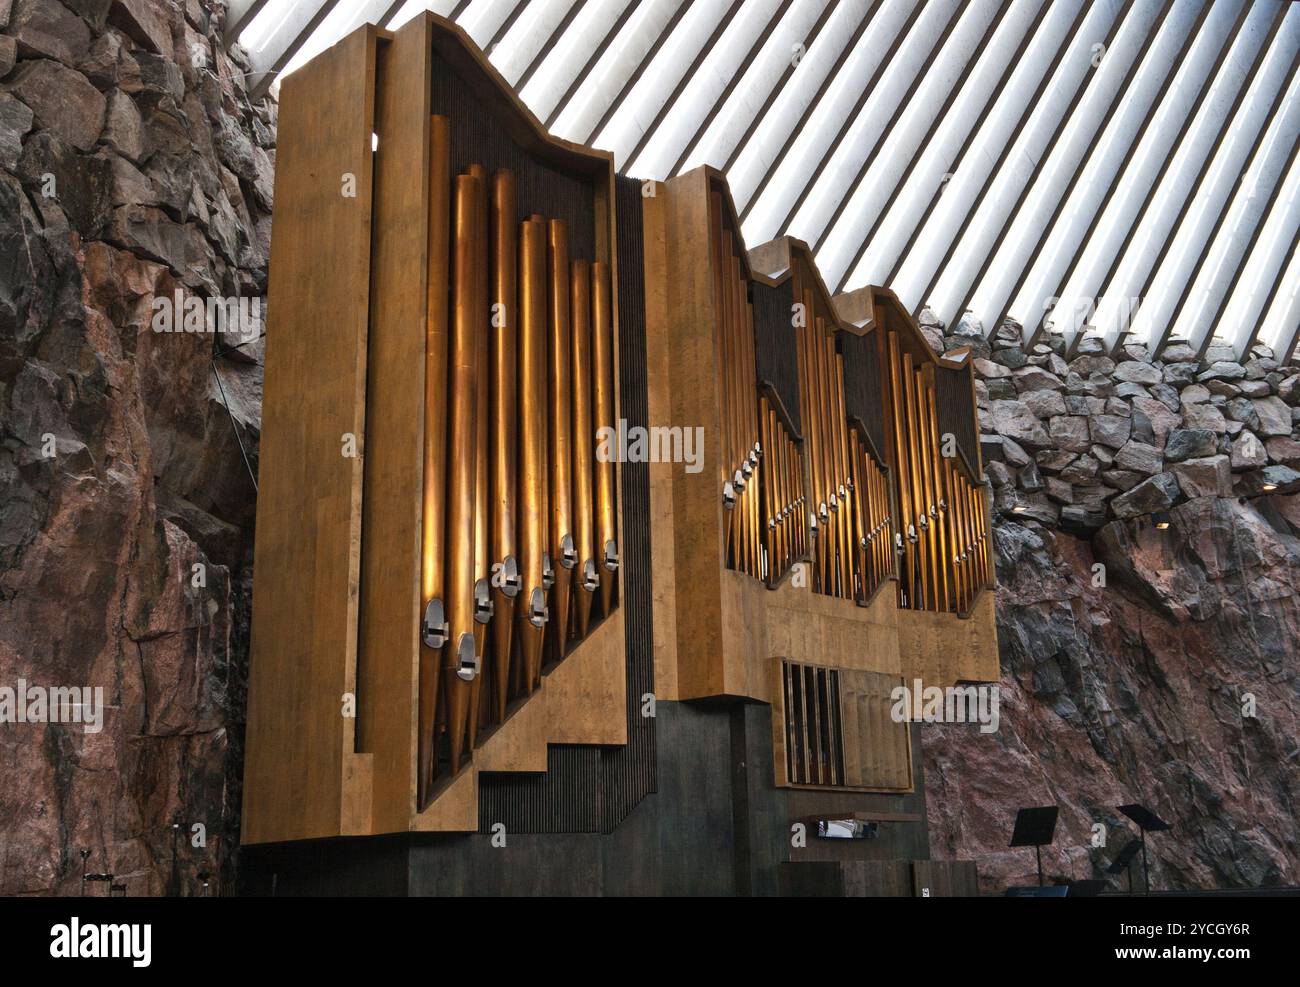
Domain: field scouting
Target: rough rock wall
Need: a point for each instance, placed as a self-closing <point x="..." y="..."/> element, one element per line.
<point x="1132" y="683"/>
<point x="132" y="165"/>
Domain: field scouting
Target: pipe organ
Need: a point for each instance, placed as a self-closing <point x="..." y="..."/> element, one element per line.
<point x="465" y="570"/>
<point x="857" y="449"/>
<point x="465" y="598"/>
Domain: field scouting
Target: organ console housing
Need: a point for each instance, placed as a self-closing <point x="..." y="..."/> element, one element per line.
<point x="470" y="621"/>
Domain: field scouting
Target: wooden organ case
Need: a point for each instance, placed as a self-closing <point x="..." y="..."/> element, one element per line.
<point x="438" y="548"/>
<point x="834" y="545"/>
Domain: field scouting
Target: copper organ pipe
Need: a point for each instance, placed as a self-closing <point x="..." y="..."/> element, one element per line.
<point x="504" y="419"/>
<point x="916" y="508"/>
<point x="432" y="517"/>
<point x="532" y="614"/>
<point x="564" y="556"/>
<point x="905" y="532"/>
<point x="483" y="604"/>
<point x="602" y="349"/>
<point x="943" y="548"/>
<point x="586" y="576"/>
<point x="461" y="660"/>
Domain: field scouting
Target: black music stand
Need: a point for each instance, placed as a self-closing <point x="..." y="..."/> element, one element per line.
<point x="1035" y="827"/>
<point x="1148" y="822"/>
<point x="1123" y="861"/>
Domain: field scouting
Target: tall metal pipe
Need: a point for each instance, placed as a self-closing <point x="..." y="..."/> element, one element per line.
<point x="505" y="416"/>
<point x="432" y="514"/>
<point x="602" y="356"/>
<point x="564" y="556"/>
<point x="461" y="659"/>
<point x="586" y="576"/>
<point x="534" y="523"/>
<point x="483" y="603"/>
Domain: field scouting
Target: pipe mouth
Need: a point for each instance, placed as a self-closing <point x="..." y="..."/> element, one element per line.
<point x="611" y="556"/>
<point x="548" y="573"/>
<point x="483" y="606"/>
<point x="590" y="581"/>
<point x="467" y="662"/>
<point x="433" y="629"/>
<point x="537" y="612"/>
<point x="728" y="495"/>
<point x="568" y="552"/>
<point x="508" y="580"/>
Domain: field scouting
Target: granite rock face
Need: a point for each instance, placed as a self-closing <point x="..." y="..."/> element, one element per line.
<point x="126" y="510"/>
<point x="1142" y="664"/>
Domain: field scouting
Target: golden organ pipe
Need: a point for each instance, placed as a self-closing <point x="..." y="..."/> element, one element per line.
<point x="460" y="664"/>
<point x="504" y="424"/>
<point x="602" y="346"/>
<point x="925" y="451"/>
<point x="583" y="438"/>
<point x="432" y="517"/>
<point x="563" y="548"/>
<point x="531" y="615"/>
<point x="482" y="454"/>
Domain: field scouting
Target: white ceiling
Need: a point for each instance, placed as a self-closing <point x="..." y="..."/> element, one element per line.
<point x="1136" y="161"/>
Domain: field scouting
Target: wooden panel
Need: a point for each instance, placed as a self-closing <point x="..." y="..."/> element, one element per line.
<point x="582" y="701"/>
<point x="945" y="879"/>
<point x="302" y="777"/>
<point x="660" y="410"/>
<point x="947" y="649"/>
<point x="882" y="759"/>
<point x="388" y="667"/>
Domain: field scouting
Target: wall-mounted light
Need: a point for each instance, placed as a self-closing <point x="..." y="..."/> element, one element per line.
<point x="1269" y="487"/>
<point x="1161" y="520"/>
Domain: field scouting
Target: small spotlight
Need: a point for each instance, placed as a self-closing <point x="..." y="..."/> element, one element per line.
<point x="1018" y="509"/>
<point x="1270" y="487"/>
<point x="1162" y="520"/>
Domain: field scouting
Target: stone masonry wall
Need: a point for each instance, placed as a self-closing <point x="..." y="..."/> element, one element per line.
<point x="1139" y="664"/>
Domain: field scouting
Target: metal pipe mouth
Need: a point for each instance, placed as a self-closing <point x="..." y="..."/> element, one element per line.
<point x="923" y="522"/>
<point x="548" y="573"/>
<point x="568" y="552"/>
<point x="467" y="662"/>
<point x="509" y="581"/>
<point x="911" y="534"/>
<point x="483" y="605"/>
<point x="823" y="511"/>
<point x="611" y="556"/>
<point x="747" y="467"/>
<point x="739" y="481"/>
<point x="433" y="629"/>
<point x="728" y="495"/>
<point x="590" y="581"/>
<point x="537" y="611"/>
